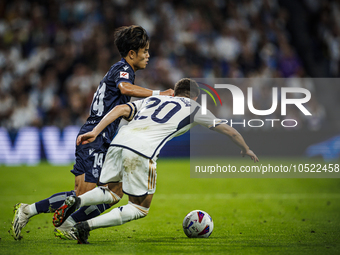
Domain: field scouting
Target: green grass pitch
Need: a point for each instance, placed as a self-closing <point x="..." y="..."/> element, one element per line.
<point x="251" y="216"/>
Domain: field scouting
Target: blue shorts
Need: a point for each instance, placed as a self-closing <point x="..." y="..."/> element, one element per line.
<point x="90" y="159"/>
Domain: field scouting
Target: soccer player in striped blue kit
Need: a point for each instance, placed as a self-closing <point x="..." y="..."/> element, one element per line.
<point x="130" y="164"/>
<point x="117" y="87"/>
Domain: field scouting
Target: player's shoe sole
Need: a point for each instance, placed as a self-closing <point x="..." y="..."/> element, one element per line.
<point x="81" y="231"/>
<point x="62" y="213"/>
<point x="20" y="220"/>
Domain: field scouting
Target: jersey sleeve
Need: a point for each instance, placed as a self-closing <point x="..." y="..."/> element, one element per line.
<point x="207" y="120"/>
<point x="134" y="107"/>
<point x="124" y="75"/>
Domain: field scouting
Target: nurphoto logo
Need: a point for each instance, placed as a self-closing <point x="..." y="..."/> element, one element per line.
<point x="239" y="104"/>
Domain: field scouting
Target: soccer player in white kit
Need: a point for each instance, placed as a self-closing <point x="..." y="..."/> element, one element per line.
<point x="130" y="164"/>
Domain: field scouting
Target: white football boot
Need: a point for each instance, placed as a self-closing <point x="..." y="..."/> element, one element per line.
<point x="20" y="220"/>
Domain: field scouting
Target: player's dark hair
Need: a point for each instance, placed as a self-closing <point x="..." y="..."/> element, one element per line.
<point x="130" y="38"/>
<point x="187" y="87"/>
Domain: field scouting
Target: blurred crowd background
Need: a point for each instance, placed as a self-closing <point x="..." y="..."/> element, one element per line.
<point x="54" y="53"/>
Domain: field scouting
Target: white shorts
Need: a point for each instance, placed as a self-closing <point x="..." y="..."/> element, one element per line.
<point x="137" y="173"/>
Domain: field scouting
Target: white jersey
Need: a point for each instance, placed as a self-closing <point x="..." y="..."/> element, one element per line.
<point x="157" y="119"/>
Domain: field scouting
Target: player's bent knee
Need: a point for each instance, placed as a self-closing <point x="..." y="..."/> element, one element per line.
<point x="116" y="188"/>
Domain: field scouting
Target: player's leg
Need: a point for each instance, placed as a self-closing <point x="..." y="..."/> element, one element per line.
<point x="81" y="186"/>
<point x="52" y="203"/>
<point x="88" y="200"/>
<point x="91" y="210"/>
<point x="110" y="173"/>
<point x="140" y="186"/>
<point x="96" y="196"/>
<point x="23" y="212"/>
<point x="138" y="207"/>
<point x="84" y="159"/>
<point x="109" y="194"/>
<point x="87" y="169"/>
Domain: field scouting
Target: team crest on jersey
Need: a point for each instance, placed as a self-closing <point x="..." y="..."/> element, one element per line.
<point x="124" y="75"/>
<point x="125" y="68"/>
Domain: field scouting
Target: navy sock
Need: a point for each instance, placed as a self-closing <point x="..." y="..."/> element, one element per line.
<point x="89" y="212"/>
<point x="53" y="202"/>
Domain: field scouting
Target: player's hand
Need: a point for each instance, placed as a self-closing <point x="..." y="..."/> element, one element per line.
<point x="86" y="138"/>
<point x="168" y="92"/>
<point x="251" y="154"/>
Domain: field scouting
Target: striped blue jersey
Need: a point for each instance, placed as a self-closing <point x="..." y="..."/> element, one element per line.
<point x="108" y="96"/>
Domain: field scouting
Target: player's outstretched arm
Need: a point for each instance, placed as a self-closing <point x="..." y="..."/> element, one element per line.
<point x="237" y="138"/>
<point x="137" y="91"/>
<point x="115" y="113"/>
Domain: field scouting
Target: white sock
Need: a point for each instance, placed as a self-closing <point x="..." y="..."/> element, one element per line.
<point x="68" y="224"/>
<point x="119" y="216"/>
<point x="98" y="195"/>
<point x="69" y="221"/>
<point x="31" y="210"/>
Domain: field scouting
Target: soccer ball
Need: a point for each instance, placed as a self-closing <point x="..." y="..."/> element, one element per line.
<point x="198" y="224"/>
